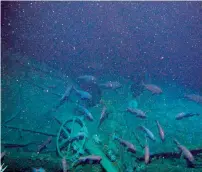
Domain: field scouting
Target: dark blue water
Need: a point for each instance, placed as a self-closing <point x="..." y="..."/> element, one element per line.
<point x="47" y="45"/>
<point x="160" y="38"/>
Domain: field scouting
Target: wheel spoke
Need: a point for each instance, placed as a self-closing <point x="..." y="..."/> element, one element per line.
<point x="66" y="132"/>
<point x="72" y="131"/>
<point x="63" y="142"/>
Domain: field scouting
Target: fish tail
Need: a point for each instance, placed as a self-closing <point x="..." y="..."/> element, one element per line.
<point x="157" y="122"/>
<point x="114" y="137"/>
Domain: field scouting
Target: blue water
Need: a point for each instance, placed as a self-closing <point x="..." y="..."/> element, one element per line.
<point x="46" y="46"/>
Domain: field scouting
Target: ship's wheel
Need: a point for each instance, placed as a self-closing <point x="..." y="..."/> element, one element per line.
<point x="67" y="149"/>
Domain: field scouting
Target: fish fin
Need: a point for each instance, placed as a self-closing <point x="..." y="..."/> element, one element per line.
<point x="181" y="155"/>
<point x="114" y="137"/>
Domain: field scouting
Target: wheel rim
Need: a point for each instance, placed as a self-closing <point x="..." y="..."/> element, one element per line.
<point x="66" y="149"/>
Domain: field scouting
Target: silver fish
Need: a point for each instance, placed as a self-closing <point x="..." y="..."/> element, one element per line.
<point x="185" y="151"/>
<point x="146" y="154"/>
<point x="148" y="132"/>
<point x="67" y="93"/>
<point x="194" y="97"/>
<point x="86" y="112"/>
<point x="130" y="147"/>
<point x="161" y="131"/>
<point x="87" y="78"/>
<point x="138" y="113"/>
<point x="90" y="159"/>
<point x="103" y="116"/>
<point x="153" y="88"/>
<point x="183" y="115"/>
<point x="83" y="94"/>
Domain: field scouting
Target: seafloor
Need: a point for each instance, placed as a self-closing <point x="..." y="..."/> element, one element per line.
<point x="30" y="90"/>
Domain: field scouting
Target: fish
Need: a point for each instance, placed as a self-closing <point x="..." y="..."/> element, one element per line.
<point x="79" y="136"/>
<point x="86" y="112"/>
<point x="38" y="170"/>
<point x="153" y="88"/>
<point x="183" y="115"/>
<point x="66" y="94"/>
<point x="194" y="97"/>
<point x="87" y="78"/>
<point x="64" y="165"/>
<point x="161" y="131"/>
<point x="138" y="113"/>
<point x="90" y="159"/>
<point x="93" y="65"/>
<point x="44" y="145"/>
<point x="64" y="97"/>
<point x="111" y="85"/>
<point x="104" y="115"/>
<point x="83" y="94"/>
<point x="62" y="100"/>
<point x="146" y="154"/>
<point x="148" y="132"/>
<point x="3" y="154"/>
<point x="130" y="147"/>
<point x="187" y="154"/>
